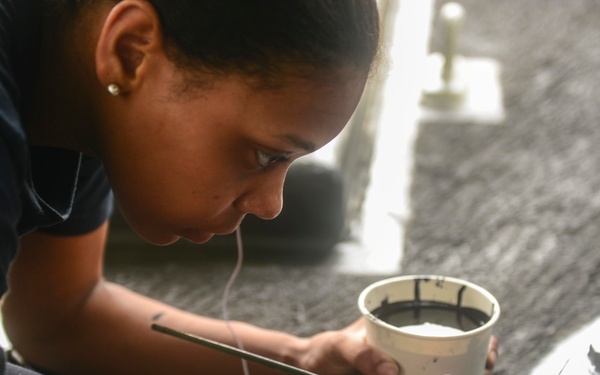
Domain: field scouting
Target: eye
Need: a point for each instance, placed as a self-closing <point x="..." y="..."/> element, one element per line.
<point x="264" y="159"/>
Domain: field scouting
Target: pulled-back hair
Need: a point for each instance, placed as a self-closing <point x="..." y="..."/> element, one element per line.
<point x="262" y="37"/>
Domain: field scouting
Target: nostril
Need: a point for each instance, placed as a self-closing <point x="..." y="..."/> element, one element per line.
<point x="266" y="208"/>
<point x="263" y="196"/>
<point x="269" y="212"/>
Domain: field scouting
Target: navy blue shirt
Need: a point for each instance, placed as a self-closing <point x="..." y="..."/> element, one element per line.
<point x="41" y="188"/>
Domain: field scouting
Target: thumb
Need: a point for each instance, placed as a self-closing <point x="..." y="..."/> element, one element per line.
<point x="373" y="362"/>
<point x="389" y="368"/>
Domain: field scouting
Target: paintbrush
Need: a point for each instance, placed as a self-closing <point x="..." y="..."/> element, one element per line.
<point x="232" y="350"/>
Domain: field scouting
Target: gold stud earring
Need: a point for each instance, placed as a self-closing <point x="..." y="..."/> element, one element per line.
<point x="113" y="89"/>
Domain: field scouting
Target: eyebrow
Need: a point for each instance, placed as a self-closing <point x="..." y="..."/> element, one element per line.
<point x="300" y="143"/>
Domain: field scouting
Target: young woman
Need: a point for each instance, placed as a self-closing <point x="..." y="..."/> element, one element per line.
<point x="190" y="111"/>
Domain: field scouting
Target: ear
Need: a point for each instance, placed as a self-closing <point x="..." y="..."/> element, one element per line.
<point x="130" y="35"/>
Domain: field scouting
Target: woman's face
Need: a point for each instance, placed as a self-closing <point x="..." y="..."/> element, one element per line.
<point x="193" y="164"/>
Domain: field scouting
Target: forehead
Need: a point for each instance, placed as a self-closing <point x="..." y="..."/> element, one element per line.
<point x="277" y="80"/>
<point x="306" y="110"/>
<point x="314" y="103"/>
<point x="318" y="91"/>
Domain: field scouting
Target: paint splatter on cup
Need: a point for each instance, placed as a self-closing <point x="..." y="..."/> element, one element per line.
<point x="430" y="324"/>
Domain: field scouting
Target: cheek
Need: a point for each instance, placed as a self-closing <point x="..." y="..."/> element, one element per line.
<point x="174" y="196"/>
<point x="172" y="172"/>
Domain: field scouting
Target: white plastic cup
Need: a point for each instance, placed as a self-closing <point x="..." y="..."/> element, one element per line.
<point x="436" y="352"/>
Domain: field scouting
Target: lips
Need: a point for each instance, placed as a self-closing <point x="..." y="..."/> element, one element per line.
<point x="199" y="236"/>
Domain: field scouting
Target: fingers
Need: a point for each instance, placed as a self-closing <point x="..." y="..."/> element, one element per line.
<point x="388" y="368"/>
<point x="492" y="354"/>
<point x="357" y="326"/>
<point x="372" y="362"/>
<point x="347" y="351"/>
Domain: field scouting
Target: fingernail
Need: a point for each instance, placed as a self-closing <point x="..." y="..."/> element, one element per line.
<point x="387" y="368"/>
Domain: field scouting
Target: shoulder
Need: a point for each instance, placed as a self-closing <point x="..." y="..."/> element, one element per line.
<point x="20" y="22"/>
<point x="19" y="46"/>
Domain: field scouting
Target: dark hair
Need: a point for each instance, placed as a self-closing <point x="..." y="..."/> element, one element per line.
<point x="262" y="37"/>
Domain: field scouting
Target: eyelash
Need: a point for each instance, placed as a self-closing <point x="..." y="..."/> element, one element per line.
<point x="270" y="159"/>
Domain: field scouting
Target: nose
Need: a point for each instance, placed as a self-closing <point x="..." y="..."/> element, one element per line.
<point x="264" y="196"/>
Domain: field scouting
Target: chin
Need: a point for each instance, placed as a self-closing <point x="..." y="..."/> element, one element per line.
<point x="167" y="242"/>
<point x="159" y="240"/>
<point x="199" y="238"/>
<point x="151" y="232"/>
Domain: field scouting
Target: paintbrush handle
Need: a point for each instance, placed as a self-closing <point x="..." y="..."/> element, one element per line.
<point x="232" y="350"/>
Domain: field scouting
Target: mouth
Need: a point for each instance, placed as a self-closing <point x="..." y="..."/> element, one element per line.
<point x="198" y="236"/>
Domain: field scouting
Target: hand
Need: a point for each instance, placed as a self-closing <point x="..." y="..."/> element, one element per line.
<point x="346" y="352"/>
<point x="492" y="356"/>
